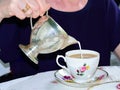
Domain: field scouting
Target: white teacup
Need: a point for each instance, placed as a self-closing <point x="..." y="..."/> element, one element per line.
<point x="81" y="64"/>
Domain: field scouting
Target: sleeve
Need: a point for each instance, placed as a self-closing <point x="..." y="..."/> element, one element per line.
<point x="12" y="33"/>
<point x="113" y="23"/>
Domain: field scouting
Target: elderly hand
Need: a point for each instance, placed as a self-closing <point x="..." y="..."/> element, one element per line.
<point x="23" y="8"/>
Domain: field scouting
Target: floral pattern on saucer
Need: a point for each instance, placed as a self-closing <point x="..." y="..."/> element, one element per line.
<point x="118" y="86"/>
<point x="70" y="78"/>
<point x="115" y="85"/>
<point x="67" y="79"/>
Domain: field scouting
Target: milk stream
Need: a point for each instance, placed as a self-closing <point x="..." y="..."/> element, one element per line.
<point x="80" y="49"/>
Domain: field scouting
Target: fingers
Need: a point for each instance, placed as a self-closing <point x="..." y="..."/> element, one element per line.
<point x="44" y="6"/>
<point x="14" y="10"/>
<point x="27" y="8"/>
<point x="34" y="7"/>
<point x="39" y="7"/>
<point x="18" y="8"/>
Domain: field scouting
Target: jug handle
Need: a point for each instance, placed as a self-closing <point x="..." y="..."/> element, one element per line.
<point x="31" y="22"/>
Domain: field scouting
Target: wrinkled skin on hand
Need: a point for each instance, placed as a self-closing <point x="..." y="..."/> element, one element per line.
<point x="10" y="8"/>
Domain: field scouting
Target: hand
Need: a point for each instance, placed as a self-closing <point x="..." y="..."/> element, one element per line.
<point x="23" y="8"/>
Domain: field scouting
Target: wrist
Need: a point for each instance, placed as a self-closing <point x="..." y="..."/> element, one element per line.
<point x="3" y="9"/>
<point x="1" y="17"/>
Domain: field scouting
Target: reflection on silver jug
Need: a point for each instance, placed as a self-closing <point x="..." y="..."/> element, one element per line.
<point x="46" y="37"/>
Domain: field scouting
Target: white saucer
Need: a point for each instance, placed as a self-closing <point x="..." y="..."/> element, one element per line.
<point x="107" y="86"/>
<point x="63" y="77"/>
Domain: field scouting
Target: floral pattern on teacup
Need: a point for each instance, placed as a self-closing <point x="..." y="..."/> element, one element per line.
<point x="81" y="70"/>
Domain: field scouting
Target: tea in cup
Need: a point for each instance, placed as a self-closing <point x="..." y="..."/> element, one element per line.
<point x="80" y="64"/>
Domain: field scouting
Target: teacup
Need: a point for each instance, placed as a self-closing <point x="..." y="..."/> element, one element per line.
<point x="80" y="64"/>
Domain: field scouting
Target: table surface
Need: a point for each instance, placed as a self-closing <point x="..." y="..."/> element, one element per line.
<point x="47" y="81"/>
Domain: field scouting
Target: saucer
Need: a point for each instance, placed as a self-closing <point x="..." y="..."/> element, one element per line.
<point x="115" y="85"/>
<point x="65" y="78"/>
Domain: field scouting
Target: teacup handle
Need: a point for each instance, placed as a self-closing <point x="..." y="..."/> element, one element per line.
<point x="57" y="61"/>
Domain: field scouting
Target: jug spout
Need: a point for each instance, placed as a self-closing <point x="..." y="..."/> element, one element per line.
<point x="68" y="41"/>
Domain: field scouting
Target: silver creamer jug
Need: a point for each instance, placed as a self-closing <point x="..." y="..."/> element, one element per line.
<point x="46" y="37"/>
